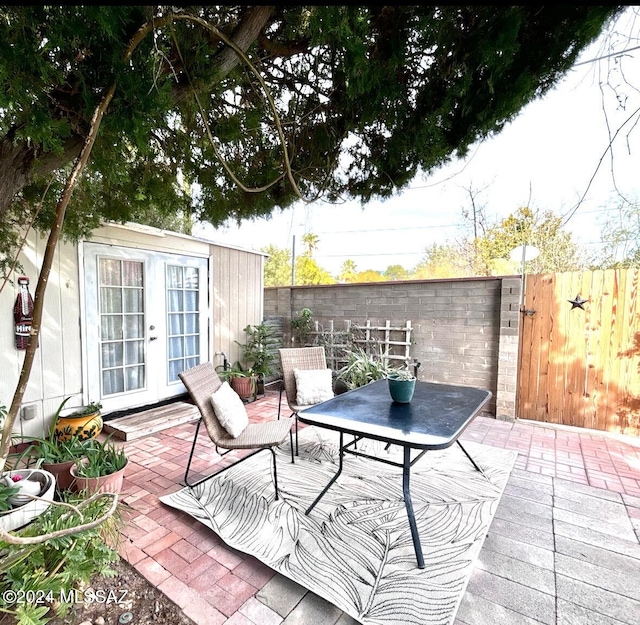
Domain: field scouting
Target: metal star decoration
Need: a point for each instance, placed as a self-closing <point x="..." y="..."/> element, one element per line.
<point x="577" y="302"/>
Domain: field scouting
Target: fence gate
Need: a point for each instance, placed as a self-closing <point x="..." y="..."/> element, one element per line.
<point x="580" y="350"/>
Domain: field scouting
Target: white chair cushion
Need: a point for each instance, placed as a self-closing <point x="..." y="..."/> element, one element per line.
<point x="230" y="410"/>
<point x="312" y="386"/>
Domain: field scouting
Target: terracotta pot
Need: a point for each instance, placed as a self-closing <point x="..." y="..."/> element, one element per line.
<point x="85" y="426"/>
<point x="62" y="473"/>
<point x="245" y="387"/>
<point x="111" y="483"/>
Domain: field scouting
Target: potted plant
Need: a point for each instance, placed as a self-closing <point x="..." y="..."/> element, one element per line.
<point x="242" y="381"/>
<point x="84" y="422"/>
<point x="57" y="454"/>
<point x="101" y="469"/>
<point x="402" y="384"/>
<point x="259" y="352"/>
<point x="24" y="495"/>
<point x="361" y="368"/>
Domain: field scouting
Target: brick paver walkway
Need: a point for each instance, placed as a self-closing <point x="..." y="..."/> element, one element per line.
<point x="215" y="584"/>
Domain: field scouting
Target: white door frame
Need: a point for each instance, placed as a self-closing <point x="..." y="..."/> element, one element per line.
<point x="156" y="340"/>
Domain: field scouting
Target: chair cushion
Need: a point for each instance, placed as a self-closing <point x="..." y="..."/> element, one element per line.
<point x="230" y="410"/>
<point x="313" y="386"/>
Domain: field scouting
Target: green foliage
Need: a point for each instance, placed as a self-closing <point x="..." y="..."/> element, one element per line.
<point x="409" y="86"/>
<point x="259" y="352"/>
<point x="101" y="458"/>
<point x="542" y="230"/>
<point x="308" y="271"/>
<point x="302" y="326"/>
<point x="395" y="272"/>
<point x="277" y="268"/>
<point x="58" y="565"/>
<point x="620" y="238"/>
<point x="362" y="367"/>
<point x="55" y="451"/>
<point x="237" y="370"/>
<point x="6" y="492"/>
<point x="401" y="374"/>
<point x="89" y="409"/>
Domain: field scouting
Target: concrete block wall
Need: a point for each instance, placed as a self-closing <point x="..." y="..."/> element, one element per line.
<point x="465" y="331"/>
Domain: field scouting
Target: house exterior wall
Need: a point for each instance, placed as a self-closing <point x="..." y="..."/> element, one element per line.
<point x="235" y="300"/>
<point x="465" y="331"/>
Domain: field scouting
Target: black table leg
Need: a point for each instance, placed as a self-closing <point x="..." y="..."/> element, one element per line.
<point x="473" y="462"/>
<point x="406" y="469"/>
<point x="333" y="479"/>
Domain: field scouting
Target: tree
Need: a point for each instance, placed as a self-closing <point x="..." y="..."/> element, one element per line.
<point x="309" y="272"/>
<point x="526" y="227"/>
<point x="395" y="272"/>
<point x="277" y="268"/>
<point x="348" y="271"/>
<point x="446" y="260"/>
<point x="620" y="238"/>
<point x="257" y="105"/>
<point x="369" y="275"/>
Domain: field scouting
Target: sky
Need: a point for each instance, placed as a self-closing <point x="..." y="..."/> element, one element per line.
<point x="545" y="159"/>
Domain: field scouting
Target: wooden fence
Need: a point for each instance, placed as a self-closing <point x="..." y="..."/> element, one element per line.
<point x="580" y="350"/>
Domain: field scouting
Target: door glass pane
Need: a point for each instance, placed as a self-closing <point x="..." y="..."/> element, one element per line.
<point x="133" y="300"/>
<point x="174" y="300"/>
<point x="112" y="381"/>
<point x="111" y="354"/>
<point x="191" y="300"/>
<point x="110" y="300"/>
<point x="174" y="277"/>
<point x="183" y="319"/>
<point x="175" y="367"/>
<point x="134" y="352"/>
<point x="131" y="273"/>
<point x="109" y="272"/>
<point x="176" y="324"/>
<point x="122" y="324"/>
<point x="133" y="326"/>
<point x="111" y="326"/>
<point x="134" y="378"/>
<point x="191" y="344"/>
<point x="191" y="278"/>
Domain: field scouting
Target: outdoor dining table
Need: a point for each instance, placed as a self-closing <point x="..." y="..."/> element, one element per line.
<point x="434" y="419"/>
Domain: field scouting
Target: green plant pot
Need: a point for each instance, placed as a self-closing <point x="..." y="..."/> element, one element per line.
<point x="401" y="391"/>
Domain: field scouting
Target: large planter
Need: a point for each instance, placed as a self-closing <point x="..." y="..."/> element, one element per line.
<point x="22" y="514"/>
<point x="401" y="391"/>
<point x="84" y="426"/>
<point x="245" y="387"/>
<point x="111" y="483"/>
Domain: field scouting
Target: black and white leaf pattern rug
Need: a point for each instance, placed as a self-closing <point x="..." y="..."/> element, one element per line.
<point x="354" y="549"/>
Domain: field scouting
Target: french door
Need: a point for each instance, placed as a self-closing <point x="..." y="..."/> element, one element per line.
<point x="146" y="320"/>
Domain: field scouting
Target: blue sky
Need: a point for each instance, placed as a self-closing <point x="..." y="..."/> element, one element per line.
<point x="545" y="159"/>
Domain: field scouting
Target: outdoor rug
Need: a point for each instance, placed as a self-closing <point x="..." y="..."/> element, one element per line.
<point x="354" y="549"/>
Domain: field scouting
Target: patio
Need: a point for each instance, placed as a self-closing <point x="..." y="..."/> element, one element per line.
<point x="564" y="546"/>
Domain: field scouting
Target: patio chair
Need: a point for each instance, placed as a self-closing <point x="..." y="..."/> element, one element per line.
<point x="201" y="382"/>
<point x="301" y="358"/>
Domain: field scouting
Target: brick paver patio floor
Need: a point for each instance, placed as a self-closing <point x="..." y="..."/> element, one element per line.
<point x="563" y="547"/>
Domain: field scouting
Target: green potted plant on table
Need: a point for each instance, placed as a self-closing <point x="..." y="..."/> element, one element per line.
<point x="101" y="469"/>
<point x="402" y="384"/>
